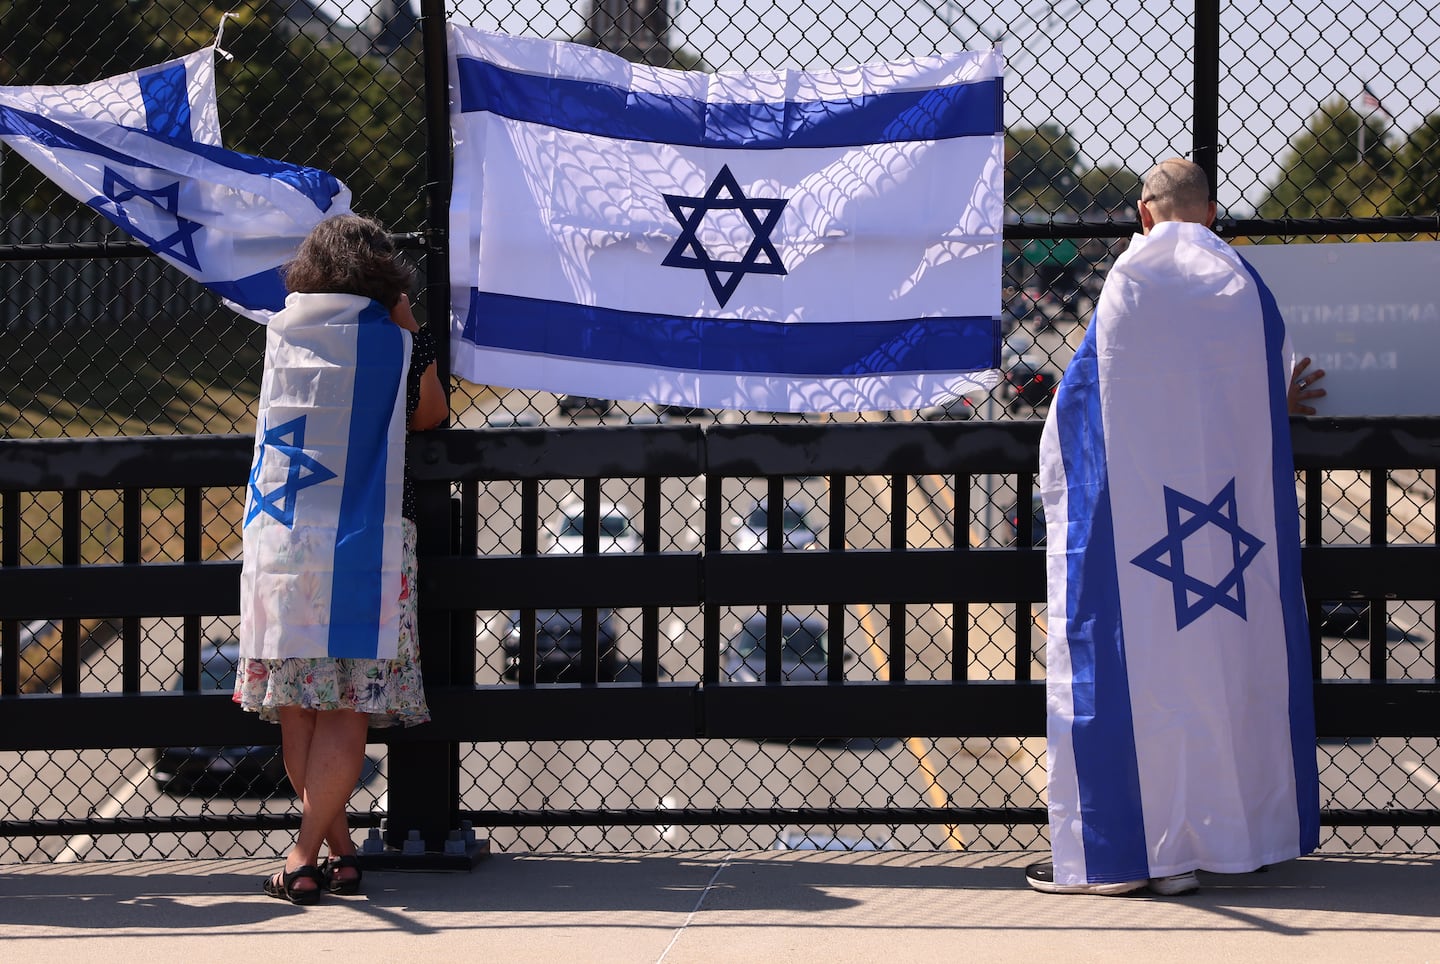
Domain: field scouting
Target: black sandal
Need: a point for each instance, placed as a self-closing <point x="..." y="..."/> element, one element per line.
<point x="348" y="887"/>
<point x="283" y="888"/>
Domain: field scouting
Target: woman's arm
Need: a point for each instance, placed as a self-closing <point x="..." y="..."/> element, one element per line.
<point x="434" y="406"/>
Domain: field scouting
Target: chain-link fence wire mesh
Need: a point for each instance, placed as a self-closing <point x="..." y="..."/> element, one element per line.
<point x="1327" y="109"/>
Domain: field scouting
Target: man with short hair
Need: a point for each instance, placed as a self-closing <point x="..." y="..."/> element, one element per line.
<point x="1181" y="735"/>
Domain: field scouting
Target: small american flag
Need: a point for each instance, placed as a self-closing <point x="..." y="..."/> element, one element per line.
<point x="1372" y="102"/>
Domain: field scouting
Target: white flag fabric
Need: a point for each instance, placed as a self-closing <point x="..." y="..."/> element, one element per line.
<point x="782" y="241"/>
<point x="322" y="534"/>
<point x="144" y="149"/>
<point x="1181" y="734"/>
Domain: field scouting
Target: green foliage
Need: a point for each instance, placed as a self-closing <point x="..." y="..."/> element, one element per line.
<point x="285" y="95"/>
<point x="1417" y="188"/>
<point x="360" y="118"/>
<point x="1330" y="170"/>
<point x="1045" y="177"/>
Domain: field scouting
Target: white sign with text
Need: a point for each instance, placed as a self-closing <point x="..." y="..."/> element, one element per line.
<point x="1367" y="313"/>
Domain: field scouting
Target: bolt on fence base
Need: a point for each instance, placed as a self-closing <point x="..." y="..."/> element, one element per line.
<point x="463" y="851"/>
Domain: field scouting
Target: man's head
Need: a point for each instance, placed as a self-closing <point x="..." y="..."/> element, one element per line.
<point x="1175" y="190"/>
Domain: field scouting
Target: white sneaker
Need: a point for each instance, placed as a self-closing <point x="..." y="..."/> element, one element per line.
<point x="1175" y="885"/>
<point x="1041" y="877"/>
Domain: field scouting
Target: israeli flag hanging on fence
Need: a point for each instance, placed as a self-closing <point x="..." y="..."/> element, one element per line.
<point x="1181" y="732"/>
<point x="781" y="241"/>
<point x="322" y="532"/>
<point x="143" y="149"/>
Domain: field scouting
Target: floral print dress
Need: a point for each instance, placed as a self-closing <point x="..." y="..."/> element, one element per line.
<point x="389" y="690"/>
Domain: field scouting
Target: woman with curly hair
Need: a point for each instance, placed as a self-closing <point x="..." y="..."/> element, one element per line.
<point x="327" y="625"/>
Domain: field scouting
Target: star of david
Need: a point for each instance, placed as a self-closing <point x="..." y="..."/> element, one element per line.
<point x="284" y="441"/>
<point x="178" y="244"/>
<point x="761" y="214"/>
<point x="1185" y="517"/>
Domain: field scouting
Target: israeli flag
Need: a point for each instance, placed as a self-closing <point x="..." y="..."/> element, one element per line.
<point x="782" y="241"/>
<point x="143" y="149"/>
<point x="322" y="533"/>
<point x="1181" y="731"/>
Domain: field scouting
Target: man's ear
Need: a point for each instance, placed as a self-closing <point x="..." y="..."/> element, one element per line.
<point x="1210" y="216"/>
<point x="1147" y="219"/>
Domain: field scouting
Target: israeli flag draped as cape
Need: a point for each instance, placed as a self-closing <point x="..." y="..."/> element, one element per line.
<point x="143" y="149"/>
<point x="1181" y="733"/>
<point x="323" y="533"/>
<point x="779" y="241"/>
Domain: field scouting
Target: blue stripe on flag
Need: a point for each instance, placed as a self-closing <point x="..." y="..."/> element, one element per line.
<point x="167" y="102"/>
<point x="356" y="592"/>
<point x="1292" y="596"/>
<point x="736" y="345"/>
<point x="43" y="131"/>
<point x="1106" y="766"/>
<point x="588" y="107"/>
<point x="320" y="187"/>
<point x="264" y="291"/>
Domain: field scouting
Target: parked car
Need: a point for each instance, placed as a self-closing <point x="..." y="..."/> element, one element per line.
<point x="752" y="527"/>
<point x="680" y="412"/>
<point x="1350" y="619"/>
<point x="557" y="646"/>
<point x="257" y="771"/>
<point x="1030" y="379"/>
<point x="566" y="529"/>
<point x="804" y="656"/>
<point x="957" y="408"/>
<point x="574" y="405"/>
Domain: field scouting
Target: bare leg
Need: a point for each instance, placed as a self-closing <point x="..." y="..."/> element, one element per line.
<point x="297" y="729"/>
<point x="327" y="767"/>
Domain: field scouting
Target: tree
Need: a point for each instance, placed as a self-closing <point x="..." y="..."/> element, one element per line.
<point x="286" y="95"/>
<point x="1331" y="170"/>
<point x="1041" y="170"/>
<point x="1417" y="181"/>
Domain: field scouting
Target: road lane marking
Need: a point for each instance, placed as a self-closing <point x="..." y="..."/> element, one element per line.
<point x="933" y="791"/>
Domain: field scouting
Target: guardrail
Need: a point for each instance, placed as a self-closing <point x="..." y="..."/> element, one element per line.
<point x="457" y="581"/>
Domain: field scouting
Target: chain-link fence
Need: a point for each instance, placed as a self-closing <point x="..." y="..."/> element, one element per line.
<point x="1319" y="120"/>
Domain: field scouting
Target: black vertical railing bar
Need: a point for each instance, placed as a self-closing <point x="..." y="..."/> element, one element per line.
<point x="1024" y="609"/>
<point x="650" y="615"/>
<point x="192" y="529"/>
<point x="131" y="521"/>
<point x="70" y="526"/>
<point x="835" y="529"/>
<point x="960" y="606"/>
<point x="1376" y="610"/>
<point x="899" y="542"/>
<point x="589" y="616"/>
<point x="10" y="628"/>
<point x="529" y="545"/>
<point x="463" y="623"/>
<point x="440" y="176"/>
<point x="775" y="514"/>
<point x="1205" y="126"/>
<point x="774" y="613"/>
<point x="710" y="617"/>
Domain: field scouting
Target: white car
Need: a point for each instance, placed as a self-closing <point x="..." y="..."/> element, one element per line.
<point x="803" y="653"/>
<point x="566" y="529"/>
<point x="751" y="528"/>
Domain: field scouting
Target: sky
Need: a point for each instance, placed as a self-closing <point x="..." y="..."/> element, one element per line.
<point x="1116" y="74"/>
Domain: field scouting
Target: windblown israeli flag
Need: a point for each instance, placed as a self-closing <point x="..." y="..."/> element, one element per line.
<point x="780" y="241"/>
<point x="323" y="532"/>
<point x="143" y="149"/>
<point x="1181" y="732"/>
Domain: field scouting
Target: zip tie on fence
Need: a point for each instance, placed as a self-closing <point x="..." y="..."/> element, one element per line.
<point x="219" y="31"/>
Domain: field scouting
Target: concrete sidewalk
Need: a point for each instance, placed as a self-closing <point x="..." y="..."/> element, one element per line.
<point x="740" y="906"/>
